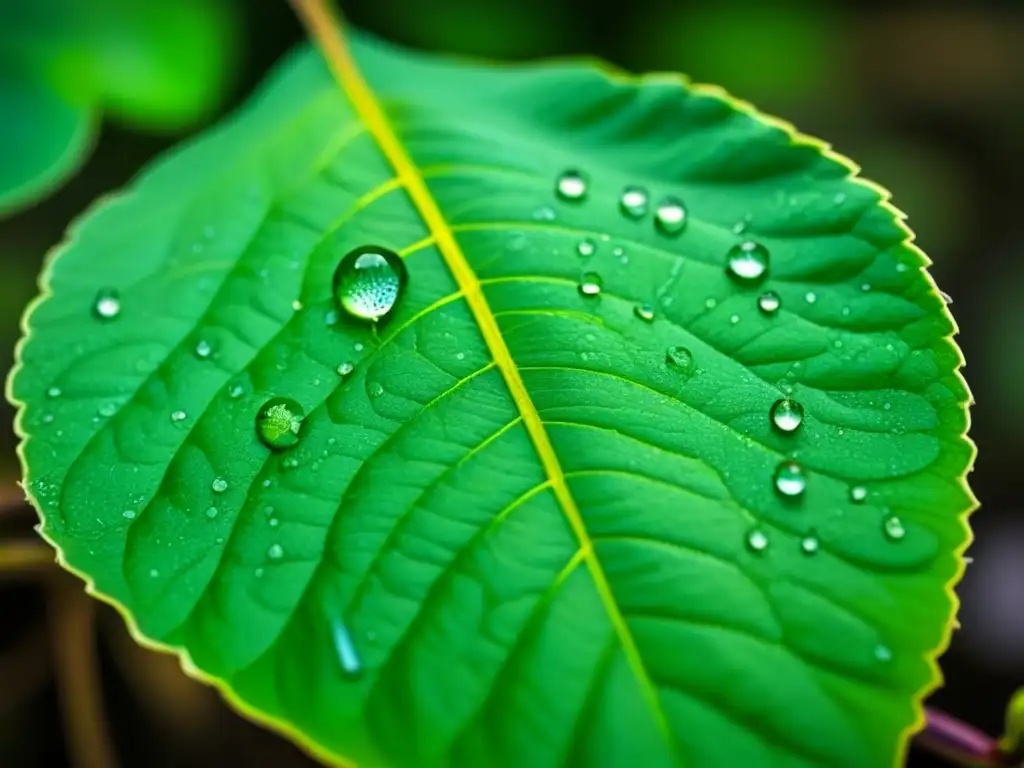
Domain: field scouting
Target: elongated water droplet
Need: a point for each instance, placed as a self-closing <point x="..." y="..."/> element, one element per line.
<point x="53" y="392"/>
<point x="679" y="357"/>
<point x="757" y="540"/>
<point x="858" y="493"/>
<point x="178" y="416"/>
<point x="203" y="349"/>
<point x="670" y="216"/>
<point x="107" y="410"/>
<point x="275" y="552"/>
<point x="809" y="545"/>
<point x="107" y="305"/>
<point x="893" y="528"/>
<point x="235" y="391"/>
<point x="212" y="512"/>
<point x="369" y="282"/>
<point x="346" y="649"/>
<point x="345" y="369"/>
<point x="786" y="414"/>
<point x="571" y="185"/>
<point x="789" y="479"/>
<point x="590" y="284"/>
<point x="128" y="514"/>
<point x="747" y="262"/>
<point x="586" y="247"/>
<point x="769" y="302"/>
<point x="644" y="311"/>
<point x="278" y="422"/>
<point x="634" y="202"/>
<point x="219" y="485"/>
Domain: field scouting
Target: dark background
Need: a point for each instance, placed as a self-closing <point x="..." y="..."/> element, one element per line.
<point x="928" y="97"/>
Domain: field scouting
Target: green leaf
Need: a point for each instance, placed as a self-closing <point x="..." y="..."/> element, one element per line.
<point x="530" y="527"/>
<point x="158" y="66"/>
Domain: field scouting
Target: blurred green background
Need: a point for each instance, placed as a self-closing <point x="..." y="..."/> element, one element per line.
<point x="928" y="98"/>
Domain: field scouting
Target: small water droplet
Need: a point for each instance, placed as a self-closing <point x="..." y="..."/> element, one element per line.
<point x="789" y="479"/>
<point x="571" y="185"/>
<point x="274" y="522"/>
<point x="203" y="350"/>
<point x="212" y="512"/>
<point x="235" y="391"/>
<point x="757" y="540"/>
<point x="258" y="573"/>
<point x="810" y="297"/>
<point x="840" y="198"/>
<point x="107" y="305"/>
<point x="747" y="262"/>
<point x="858" y="493"/>
<point x="590" y="284"/>
<point x="278" y="422"/>
<point x="219" y="485"/>
<point x="296" y="305"/>
<point x="893" y="528"/>
<point x="128" y="514"/>
<point x="107" y="410"/>
<point x="633" y="202"/>
<point x="586" y="247"/>
<point x="679" y="357"/>
<point x="178" y="416"/>
<point x="346" y="650"/>
<point x="53" y="392"/>
<point x="883" y="652"/>
<point x="644" y="311"/>
<point x="345" y="369"/>
<point x="901" y="267"/>
<point x="845" y="311"/>
<point x="710" y="302"/>
<point x="670" y="216"/>
<point x="769" y="302"/>
<point x="809" y="545"/>
<point x="358" y="346"/>
<point x="375" y="389"/>
<point x="153" y="573"/>
<point x="331" y="317"/>
<point x="734" y="319"/>
<point x="275" y="552"/>
<point x="786" y="414"/>
<point x="369" y="281"/>
<point x="544" y="213"/>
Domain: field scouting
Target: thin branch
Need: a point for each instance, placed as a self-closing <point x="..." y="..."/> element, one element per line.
<point x="20" y="556"/>
<point x="78" y="678"/>
<point x="959" y="743"/>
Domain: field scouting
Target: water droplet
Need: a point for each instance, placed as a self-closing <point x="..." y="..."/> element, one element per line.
<point x="153" y="573"/>
<point x="203" y="350"/>
<point x="644" y="311"/>
<point x="893" y="528"/>
<point x="734" y="319"/>
<point x="786" y="414"/>
<point x="634" y="202"/>
<point x="747" y="261"/>
<point x="858" y="493"/>
<point x="346" y="650"/>
<point x="571" y="185"/>
<point x="345" y="369"/>
<point x="275" y="552"/>
<point x="809" y="545"/>
<point x="219" y="485"/>
<point x="178" y="416"/>
<point x="358" y="347"/>
<point x="53" y="392"/>
<point x="789" y="479"/>
<point x="128" y="514"/>
<point x="107" y="305"/>
<point x="258" y="573"/>
<point x="278" y="422"/>
<point x="883" y="652"/>
<point x="544" y="213"/>
<point x="368" y="282"/>
<point x="757" y="540"/>
<point x="331" y="317"/>
<point x="811" y="297"/>
<point x="680" y="357"/>
<point x="769" y="302"/>
<point x="901" y="267"/>
<point x="235" y="391"/>
<point x="212" y="512"/>
<point x="376" y="389"/>
<point x="840" y="198"/>
<point x="590" y="284"/>
<point x="273" y="522"/>
<point x="711" y="302"/>
<point x="296" y="305"/>
<point x="586" y="247"/>
<point x="670" y="216"/>
<point x="946" y="298"/>
<point x="107" y="410"/>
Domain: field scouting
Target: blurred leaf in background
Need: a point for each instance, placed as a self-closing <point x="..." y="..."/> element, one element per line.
<point x="157" y="66"/>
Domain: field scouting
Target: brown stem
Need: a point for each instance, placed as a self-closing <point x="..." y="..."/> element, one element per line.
<point x="20" y="557"/>
<point x="78" y="679"/>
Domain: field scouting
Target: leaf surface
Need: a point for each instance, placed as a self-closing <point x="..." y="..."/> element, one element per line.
<point x="526" y="529"/>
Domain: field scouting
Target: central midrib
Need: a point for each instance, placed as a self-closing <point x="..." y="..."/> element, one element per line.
<point x="327" y="33"/>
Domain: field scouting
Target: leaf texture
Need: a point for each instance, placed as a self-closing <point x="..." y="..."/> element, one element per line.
<point x="517" y="533"/>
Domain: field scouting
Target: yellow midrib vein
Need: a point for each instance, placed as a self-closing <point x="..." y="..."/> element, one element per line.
<point x="326" y="31"/>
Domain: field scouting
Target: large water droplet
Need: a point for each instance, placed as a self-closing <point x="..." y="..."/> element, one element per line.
<point x="747" y="261"/>
<point x="634" y="202"/>
<point x="590" y="284"/>
<point x="586" y="247"/>
<point x="345" y="369"/>
<point x="278" y="422"/>
<point x="893" y="528"/>
<point x="679" y="357"/>
<point x="571" y="185"/>
<point x="786" y="414"/>
<point x="769" y="302"/>
<point x="670" y="216"/>
<point x="858" y="493"/>
<point x="107" y="305"/>
<point x="219" y="485"/>
<point x="644" y="311"/>
<point x="346" y="649"/>
<point x="789" y="479"/>
<point x="757" y="540"/>
<point x="369" y="281"/>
